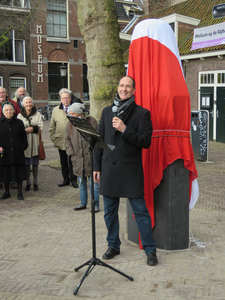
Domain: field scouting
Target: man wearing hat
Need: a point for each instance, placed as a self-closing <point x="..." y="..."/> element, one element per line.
<point x="57" y="131"/>
<point x="78" y="149"/>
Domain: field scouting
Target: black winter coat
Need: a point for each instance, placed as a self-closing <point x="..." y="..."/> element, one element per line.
<point x="121" y="169"/>
<point x="13" y="139"/>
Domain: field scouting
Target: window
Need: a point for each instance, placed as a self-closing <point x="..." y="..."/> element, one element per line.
<point x="55" y="81"/>
<point x="1" y="81"/>
<point x="13" y="49"/>
<point x="131" y="13"/>
<point x="207" y="78"/>
<point x="221" y="77"/>
<point x="57" y="18"/>
<point x="75" y="45"/>
<point x="15" y="83"/>
<point x="15" y="3"/>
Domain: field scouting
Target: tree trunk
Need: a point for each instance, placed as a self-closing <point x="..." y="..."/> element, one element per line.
<point x="98" y="24"/>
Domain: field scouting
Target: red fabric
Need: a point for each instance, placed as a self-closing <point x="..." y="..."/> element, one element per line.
<point x="161" y="88"/>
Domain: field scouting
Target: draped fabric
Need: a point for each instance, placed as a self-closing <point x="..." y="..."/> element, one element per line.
<point x="155" y="65"/>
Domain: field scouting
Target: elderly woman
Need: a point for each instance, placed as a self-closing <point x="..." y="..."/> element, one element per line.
<point x="33" y="123"/>
<point x="77" y="148"/>
<point x="13" y="143"/>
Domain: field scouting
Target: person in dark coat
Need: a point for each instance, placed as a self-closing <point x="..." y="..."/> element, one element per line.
<point x="120" y="172"/>
<point x="13" y="142"/>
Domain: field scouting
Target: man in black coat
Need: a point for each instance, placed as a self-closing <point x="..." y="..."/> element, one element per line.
<point x="128" y="127"/>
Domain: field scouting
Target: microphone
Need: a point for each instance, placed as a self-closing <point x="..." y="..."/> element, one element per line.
<point x="114" y="110"/>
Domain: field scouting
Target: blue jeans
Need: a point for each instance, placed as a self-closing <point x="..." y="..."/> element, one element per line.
<point x="84" y="192"/>
<point x="142" y="217"/>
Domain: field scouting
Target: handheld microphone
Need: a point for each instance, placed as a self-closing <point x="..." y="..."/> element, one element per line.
<point x="114" y="110"/>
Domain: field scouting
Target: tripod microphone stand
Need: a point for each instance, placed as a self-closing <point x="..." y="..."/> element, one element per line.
<point x="90" y="135"/>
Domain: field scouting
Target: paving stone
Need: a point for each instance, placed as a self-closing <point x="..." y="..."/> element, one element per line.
<point x="42" y="240"/>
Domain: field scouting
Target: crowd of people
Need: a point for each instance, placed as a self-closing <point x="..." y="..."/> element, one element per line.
<point x="73" y="150"/>
<point x="118" y="173"/>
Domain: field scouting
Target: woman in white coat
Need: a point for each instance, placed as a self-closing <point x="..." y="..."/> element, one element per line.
<point x="33" y="123"/>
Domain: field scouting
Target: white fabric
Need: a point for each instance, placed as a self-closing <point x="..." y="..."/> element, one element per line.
<point x="194" y="194"/>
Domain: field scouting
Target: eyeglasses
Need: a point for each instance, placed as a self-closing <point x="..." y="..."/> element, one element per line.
<point x="2" y="93"/>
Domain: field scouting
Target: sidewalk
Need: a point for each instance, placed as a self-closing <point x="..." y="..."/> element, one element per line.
<point x="42" y="240"/>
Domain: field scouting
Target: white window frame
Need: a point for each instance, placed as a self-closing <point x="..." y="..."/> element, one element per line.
<point x="61" y="39"/>
<point x="214" y="85"/>
<point x="16" y="7"/>
<point x="21" y="78"/>
<point x="14" y="62"/>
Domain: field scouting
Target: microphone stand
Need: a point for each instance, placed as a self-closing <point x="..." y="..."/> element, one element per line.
<point x="89" y="134"/>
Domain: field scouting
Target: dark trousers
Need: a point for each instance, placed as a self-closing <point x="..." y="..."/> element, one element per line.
<point x="142" y="217"/>
<point x="66" y="166"/>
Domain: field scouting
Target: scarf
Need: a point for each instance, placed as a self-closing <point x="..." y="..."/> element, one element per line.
<point x="123" y="107"/>
<point x="24" y="113"/>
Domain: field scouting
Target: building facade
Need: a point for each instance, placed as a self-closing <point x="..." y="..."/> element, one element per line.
<point x="54" y="54"/>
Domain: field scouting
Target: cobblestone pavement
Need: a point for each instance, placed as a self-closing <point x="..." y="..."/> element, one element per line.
<point x="42" y="240"/>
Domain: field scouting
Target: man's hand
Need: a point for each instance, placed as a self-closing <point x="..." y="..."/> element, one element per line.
<point x="1" y="150"/>
<point x="96" y="176"/>
<point x="118" y="124"/>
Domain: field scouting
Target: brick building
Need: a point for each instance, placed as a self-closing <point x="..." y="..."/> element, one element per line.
<point x="51" y="41"/>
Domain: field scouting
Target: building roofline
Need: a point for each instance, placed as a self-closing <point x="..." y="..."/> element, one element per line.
<point x="202" y="55"/>
<point x="181" y="18"/>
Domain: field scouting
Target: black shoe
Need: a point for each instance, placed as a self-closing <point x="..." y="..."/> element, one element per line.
<point x="20" y="197"/>
<point x="36" y="188"/>
<point x="152" y="259"/>
<point x="110" y="253"/>
<point x="27" y="188"/>
<point x="74" y="184"/>
<point x="5" y="196"/>
<point x="64" y="183"/>
<point x="80" y="207"/>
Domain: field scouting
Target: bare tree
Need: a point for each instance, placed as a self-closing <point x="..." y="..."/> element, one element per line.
<point x="15" y="15"/>
<point x="98" y="24"/>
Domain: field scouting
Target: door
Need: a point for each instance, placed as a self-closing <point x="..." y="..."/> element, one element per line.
<point x="220" y="120"/>
<point x="206" y="103"/>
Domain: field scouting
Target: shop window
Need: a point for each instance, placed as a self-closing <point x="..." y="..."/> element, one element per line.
<point x="15" y="83"/>
<point x="57" y="18"/>
<point x="13" y="49"/>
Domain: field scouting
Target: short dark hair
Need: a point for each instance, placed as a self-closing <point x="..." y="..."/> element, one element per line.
<point x="130" y="78"/>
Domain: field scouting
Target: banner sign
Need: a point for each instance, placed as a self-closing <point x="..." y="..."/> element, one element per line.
<point x="218" y="11"/>
<point x="208" y="36"/>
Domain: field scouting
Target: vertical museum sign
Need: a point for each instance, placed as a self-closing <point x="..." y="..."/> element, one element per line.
<point x="40" y="77"/>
